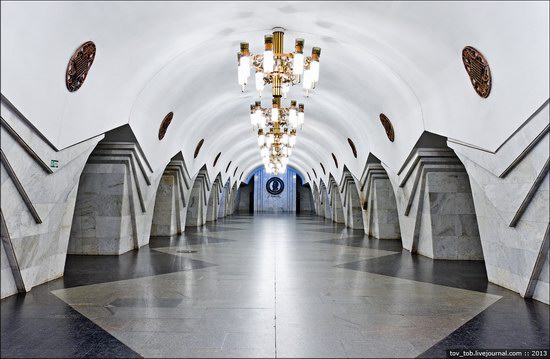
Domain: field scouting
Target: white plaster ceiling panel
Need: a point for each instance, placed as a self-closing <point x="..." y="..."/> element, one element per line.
<point x="397" y="58"/>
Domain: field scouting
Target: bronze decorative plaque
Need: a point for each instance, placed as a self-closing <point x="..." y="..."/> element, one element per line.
<point x="388" y="127"/>
<point x="164" y="124"/>
<point x="478" y="69"/>
<point x="79" y="65"/>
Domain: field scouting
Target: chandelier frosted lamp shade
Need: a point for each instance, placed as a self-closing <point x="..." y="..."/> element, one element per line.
<point x="292" y="138"/>
<point x="261" y="138"/>
<point x="269" y="139"/>
<point x="279" y="69"/>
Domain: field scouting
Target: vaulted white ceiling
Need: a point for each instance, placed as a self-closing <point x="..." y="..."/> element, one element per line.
<point x="402" y="59"/>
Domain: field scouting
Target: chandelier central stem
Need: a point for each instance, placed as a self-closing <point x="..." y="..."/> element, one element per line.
<point x="278" y="43"/>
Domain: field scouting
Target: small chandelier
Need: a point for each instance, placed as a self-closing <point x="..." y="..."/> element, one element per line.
<point x="291" y="118"/>
<point x="281" y="70"/>
<point x="277" y="126"/>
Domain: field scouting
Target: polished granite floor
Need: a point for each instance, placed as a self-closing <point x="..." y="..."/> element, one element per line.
<point x="268" y="286"/>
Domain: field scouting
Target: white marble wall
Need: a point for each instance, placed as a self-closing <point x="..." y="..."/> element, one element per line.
<point x="115" y="202"/>
<point x="351" y="202"/>
<point x="269" y="203"/>
<point x="435" y="206"/>
<point x="38" y="222"/>
<point x="379" y="207"/>
<point x="511" y="195"/>
<point x="198" y="200"/>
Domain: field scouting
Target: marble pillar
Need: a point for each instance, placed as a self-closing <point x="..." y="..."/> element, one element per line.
<point x="214" y="200"/>
<point x="379" y="207"/>
<point x="198" y="200"/>
<point x="337" y="214"/>
<point x="435" y="206"/>
<point x="351" y="201"/>
<point x="115" y="201"/>
<point x="170" y="209"/>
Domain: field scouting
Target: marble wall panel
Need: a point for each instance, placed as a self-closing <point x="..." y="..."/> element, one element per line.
<point x="511" y="196"/>
<point x="434" y="200"/>
<point x="39" y="240"/>
<point x="198" y="203"/>
<point x="379" y="205"/>
<point x="351" y="202"/>
<point x="165" y="216"/>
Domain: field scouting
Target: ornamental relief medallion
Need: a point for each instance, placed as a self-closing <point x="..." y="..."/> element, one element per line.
<point x="478" y="69"/>
<point x="79" y="65"/>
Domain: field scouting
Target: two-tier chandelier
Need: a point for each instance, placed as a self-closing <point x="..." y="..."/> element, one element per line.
<point x="277" y="126"/>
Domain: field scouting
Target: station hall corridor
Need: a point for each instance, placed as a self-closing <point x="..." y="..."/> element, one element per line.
<point x="268" y="286"/>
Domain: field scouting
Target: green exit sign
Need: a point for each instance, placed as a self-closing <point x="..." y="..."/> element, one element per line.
<point x="54" y="164"/>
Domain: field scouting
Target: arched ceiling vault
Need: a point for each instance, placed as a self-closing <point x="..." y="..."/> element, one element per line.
<point x="400" y="59"/>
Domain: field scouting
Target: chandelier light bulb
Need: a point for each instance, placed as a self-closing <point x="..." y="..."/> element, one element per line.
<point x="284" y="139"/>
<point x="261" y="138"/>
<point x="269" y="139"/>
<point x="314" y="66"/>
<point x="292" y="140"/>
<point x="308" y="80"/>
<point x="268" y="54"/>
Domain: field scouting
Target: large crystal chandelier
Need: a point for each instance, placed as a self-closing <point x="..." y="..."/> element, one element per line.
<point x="277" y="126"/>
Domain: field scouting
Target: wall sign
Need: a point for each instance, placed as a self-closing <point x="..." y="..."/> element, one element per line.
<point x="275" y="186"/>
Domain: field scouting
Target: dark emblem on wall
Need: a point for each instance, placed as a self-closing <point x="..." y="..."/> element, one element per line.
<point x="164" y="124"/>
<point x="478" y="69"/>
<point x="79" y="65"/>
<point x="275" y="185"/>
<point x="388" y="127"/>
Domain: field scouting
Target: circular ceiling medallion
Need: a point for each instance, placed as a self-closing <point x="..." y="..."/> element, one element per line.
<point x="79" y="65"/>
<point x="164" y="124"/>
<point x="275" y="186"/>
<point x="388" y="127"/>
<point x="478" y="69"/>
